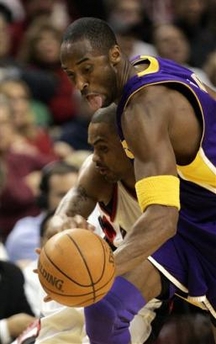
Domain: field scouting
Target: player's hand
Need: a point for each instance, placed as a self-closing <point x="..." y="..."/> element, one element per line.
<point x="61" y="222"/>
<point x="18" y="323"/>
<point x="47" y="298"/>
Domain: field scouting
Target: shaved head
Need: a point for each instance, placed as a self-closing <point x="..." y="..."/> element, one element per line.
<point x="95" y="30"/>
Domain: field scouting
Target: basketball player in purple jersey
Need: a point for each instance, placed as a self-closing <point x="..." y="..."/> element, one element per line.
<point x="167" y="126"/>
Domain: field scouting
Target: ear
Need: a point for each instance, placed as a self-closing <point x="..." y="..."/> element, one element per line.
<point x="115" y="55"/>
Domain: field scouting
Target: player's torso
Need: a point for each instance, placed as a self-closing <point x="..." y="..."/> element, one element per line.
<point x="120" y="214"/>
<point x="202" y="170"/>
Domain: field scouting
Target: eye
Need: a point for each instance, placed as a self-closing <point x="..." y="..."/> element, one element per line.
<point x="71" y="76"/>
<point x="103" y="149"/>
<point x="87" y="69"/>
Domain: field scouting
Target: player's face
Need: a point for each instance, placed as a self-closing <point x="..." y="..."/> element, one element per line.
<point x="109" y="157"/>
<point x="92" y="73"/>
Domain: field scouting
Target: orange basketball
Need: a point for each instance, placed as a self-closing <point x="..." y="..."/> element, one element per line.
<point x="76" y="267"/>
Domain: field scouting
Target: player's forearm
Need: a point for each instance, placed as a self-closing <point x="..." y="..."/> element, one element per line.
<point x="76" y="202"/>
<point x="150" y="231"/>
<point x="72" y="212"/>
<point x="65" y="204"/>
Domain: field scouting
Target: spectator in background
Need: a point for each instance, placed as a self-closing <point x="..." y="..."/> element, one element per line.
<point x="89" y="8"/>
<point x="29" y="116"/>
<point x="159" y="11"/>
<point x="23" y="170"/>
<point x="171" y="43"/>
<point x="42" y="85"/>
<point x="9" y="67"/>
<point x="210" y="67"/>
<point x="15" y="312"/>
<point x="195" y="18"/>
<point x="127" y="13"/>
<point x="56" y="179"/>
<point x="130" y="41"/>
<point x="16" y="8"/>
<point x="2" y="175"/>
<point x="74" y="134"/>
<point x="34" y="9"/>
<point x="3" y="252"/>
<point x="78" y="157"/>
<point x="40" y="52"/>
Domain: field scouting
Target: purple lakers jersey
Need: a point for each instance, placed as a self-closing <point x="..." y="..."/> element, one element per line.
<point x="187" y="259"/>
<point x="202" y="171"/>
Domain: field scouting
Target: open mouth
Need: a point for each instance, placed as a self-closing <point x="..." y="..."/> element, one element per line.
<point x="102" y="170"/>
<point x="95" y="101"/>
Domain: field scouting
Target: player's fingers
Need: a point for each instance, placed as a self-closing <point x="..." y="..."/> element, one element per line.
<point x="70" y="223"/>
<point x="57" y="223"/>
<point x="47" y="298"/>
<point x="80" y="222"/>
<point x="91" y="227"/>
<point x="38" y="250"/>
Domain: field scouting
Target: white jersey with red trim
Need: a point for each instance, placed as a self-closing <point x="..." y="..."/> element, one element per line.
<point x="61" y="324"/>
<point x="119" y="216"/>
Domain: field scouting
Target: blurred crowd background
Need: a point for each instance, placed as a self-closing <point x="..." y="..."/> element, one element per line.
<point x="42" y="118"/>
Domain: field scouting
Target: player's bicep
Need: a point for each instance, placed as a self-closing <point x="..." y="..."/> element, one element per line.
<point x="146" y="131"/>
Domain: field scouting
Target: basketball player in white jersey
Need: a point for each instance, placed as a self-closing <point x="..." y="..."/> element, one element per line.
<point x="106" y="181"/>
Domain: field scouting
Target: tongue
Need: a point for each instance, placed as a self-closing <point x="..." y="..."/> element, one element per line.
<point x="95" y="102"/>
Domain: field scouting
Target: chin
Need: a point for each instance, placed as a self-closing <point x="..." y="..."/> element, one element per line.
<point x="111" y="179"/>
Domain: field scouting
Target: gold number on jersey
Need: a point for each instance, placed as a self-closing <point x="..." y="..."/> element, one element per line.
<point x="198" y="82"/>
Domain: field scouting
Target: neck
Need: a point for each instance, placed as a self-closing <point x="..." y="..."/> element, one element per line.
<point x="125" y="72"/>
<point x="129" y="182"/>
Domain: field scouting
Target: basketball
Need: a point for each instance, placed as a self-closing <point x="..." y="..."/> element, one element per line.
<point x="76" y="267"/>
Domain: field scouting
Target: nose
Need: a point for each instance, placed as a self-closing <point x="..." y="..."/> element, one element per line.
<point x="96" y="159"/>
<point x="81" y="84"/>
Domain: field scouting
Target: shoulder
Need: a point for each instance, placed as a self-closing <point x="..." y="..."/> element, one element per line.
<point x="157" y="100"/>
<point x="153" y="101"/>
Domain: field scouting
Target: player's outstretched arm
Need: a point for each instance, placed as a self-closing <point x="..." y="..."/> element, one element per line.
<point x="77" y="205"/>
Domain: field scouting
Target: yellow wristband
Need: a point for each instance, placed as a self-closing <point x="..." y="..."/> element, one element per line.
<point x="163" y="190"/>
